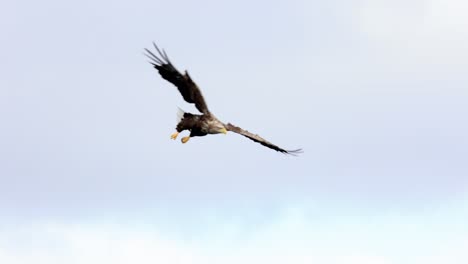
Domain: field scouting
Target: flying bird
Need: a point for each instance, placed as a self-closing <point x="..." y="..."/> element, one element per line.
<point x="206" y="123"/>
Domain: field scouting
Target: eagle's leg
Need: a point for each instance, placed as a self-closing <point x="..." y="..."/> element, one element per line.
<point x="174" y="136"/>
<point x="185" y="139"/>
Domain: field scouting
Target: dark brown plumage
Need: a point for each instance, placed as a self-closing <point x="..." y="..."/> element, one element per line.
<point x="189" y="90"/>
<point x="258" y="139"/>
<point x="207" y="123"/>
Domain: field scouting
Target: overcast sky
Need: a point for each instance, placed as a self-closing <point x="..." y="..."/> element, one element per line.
<point x="375" y="92"/>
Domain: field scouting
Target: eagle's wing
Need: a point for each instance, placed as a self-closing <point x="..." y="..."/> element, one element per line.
<point x="258" y="139"/>
<point x="184" y="83"/>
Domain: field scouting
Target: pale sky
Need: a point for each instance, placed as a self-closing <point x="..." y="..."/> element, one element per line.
<point x="374" y="91"/>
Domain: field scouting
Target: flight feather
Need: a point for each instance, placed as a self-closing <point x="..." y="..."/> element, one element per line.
<point x="186" y="86"/>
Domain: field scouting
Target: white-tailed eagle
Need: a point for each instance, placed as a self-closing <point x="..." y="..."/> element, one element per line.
<point x="206" y="123"/>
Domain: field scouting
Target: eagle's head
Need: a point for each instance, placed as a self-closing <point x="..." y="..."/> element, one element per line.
<point x="216" y="127"/>
<point x="223" y="130"/>
<point x="220" y="129"/>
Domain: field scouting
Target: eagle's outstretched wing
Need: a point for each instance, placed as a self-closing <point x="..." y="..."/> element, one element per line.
<point x="184" y="83"/>
<point x="258" y="139"/>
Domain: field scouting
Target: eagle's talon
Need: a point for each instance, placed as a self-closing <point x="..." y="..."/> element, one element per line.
<point x="174" y="136"/>
<point x="185" y="139"/>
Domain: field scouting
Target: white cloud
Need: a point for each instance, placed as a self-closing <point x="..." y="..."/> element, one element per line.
<point x="295" y="237"/>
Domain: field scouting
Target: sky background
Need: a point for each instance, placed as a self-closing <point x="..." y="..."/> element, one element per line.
<point x="375" y="92"/>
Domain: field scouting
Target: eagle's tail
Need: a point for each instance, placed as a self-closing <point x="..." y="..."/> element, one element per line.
<point x="180" y="115"/>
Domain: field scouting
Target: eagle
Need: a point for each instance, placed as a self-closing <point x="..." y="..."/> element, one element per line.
<point x="206" y="123"/>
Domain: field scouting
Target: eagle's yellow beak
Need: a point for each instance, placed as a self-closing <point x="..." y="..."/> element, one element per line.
<point x="223" y="130"/>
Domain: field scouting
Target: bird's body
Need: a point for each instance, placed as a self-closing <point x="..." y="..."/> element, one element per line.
<point x="204" y="123"/>
<point x="200" y="125"/>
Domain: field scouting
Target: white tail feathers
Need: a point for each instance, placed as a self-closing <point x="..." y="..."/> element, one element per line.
<point x="180" y="115"/>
